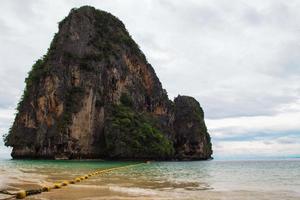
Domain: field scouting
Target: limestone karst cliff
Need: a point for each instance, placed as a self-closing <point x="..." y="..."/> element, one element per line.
<point x="94" y="95"/>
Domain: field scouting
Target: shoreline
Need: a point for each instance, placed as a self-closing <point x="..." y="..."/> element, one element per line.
<point x="247" y="180"/>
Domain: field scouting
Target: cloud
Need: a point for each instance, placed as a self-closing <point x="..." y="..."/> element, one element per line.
<point x="240" y="59"/>
<point x="255" y="149"/>
<point x="273" y="135"/>
<point x="254" y="125"/>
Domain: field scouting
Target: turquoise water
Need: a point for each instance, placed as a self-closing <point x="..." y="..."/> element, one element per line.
<point x="263" y="179"/>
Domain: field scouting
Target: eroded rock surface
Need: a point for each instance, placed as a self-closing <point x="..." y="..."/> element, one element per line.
<point x="94" y="95"/>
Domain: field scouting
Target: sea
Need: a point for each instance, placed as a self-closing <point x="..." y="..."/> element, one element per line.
<point x="207" y="180"/>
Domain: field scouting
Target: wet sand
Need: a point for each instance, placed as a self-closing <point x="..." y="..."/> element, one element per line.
<point x="111" y="186"/>
<point x="114" y="187"/>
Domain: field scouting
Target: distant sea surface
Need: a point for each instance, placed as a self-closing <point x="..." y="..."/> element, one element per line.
<point x="232" y="180"/>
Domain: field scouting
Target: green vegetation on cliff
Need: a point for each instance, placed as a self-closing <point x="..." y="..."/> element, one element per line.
<point x="39" y="70"/>
<point x="133" y="135"/>
<point x="108" y="39"/>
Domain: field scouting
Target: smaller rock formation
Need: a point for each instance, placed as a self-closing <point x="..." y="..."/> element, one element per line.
<point x="189" y="122"/>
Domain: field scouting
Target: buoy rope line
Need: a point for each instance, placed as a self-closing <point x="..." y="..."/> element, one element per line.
<point x="21" y="194"/>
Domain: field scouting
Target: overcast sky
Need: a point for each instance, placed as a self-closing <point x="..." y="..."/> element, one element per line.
<point x="239" y="59"/>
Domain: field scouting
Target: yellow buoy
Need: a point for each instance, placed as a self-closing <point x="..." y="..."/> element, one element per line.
<point x="72" y="181"/>
<point x="78" y="179"/>
<point x="21" y="194"/>
<point x="81" y="178"/>
<point x="86" y="177"/>
<point x="57" y="185"/>
<point x="64" y="183"/>
<point x="46" y="188"/>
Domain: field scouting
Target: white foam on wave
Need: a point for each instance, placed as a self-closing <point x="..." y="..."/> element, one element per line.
<point x="133" y="190"/>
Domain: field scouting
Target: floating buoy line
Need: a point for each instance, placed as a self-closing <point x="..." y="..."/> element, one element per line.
<point x="21" y="194"/>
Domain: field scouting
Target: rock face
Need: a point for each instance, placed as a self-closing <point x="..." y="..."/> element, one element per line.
<point x="94" y="95"/>
<point x="189" y="122"/>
